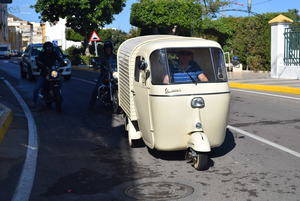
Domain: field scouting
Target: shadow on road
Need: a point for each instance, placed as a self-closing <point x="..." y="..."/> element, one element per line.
<point x="227" y="146"/>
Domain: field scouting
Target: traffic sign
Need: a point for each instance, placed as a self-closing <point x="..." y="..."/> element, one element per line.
<point x="95" y="37"/>
<point x="55" y="42"/>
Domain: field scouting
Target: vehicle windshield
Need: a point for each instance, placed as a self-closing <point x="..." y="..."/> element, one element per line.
<point x="187" y="65"/>
<point x="3" y="49"/>
<point x="36" y="50"/>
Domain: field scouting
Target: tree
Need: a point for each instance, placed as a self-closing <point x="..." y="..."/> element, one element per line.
<point x="172" y="16"/>
<point x="134" y="32"/>
<point x="83" y="16"/>
<point x="74" y="36"/>
<point x="248" y="38"/>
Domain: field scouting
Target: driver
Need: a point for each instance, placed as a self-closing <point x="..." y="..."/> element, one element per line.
<point x="109" y="60"/>
<point x="46" y="58"/>
<point x="185" y="70"/>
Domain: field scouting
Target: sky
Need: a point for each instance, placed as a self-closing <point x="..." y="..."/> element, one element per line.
<point x="21" y="9"/>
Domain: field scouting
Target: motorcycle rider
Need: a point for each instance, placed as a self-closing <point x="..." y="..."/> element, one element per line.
<point x="46" y="58"/>
<point x="108" y="60"/>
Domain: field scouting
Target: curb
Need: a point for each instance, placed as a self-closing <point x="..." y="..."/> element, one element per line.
<point x="6" y="117"/>
<point x="273" y="88"/>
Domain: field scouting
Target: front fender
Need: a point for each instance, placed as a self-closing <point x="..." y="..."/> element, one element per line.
<point x="198" y="141"/>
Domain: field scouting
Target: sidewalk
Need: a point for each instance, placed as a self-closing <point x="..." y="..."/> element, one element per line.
<point x="5" y="120"/>
<point x="263" y="82"/>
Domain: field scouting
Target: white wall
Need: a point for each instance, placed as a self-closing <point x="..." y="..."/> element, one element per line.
<point x="278" y="68"/>
<point x="70" y="43"/>
<point x="56" y="32"/>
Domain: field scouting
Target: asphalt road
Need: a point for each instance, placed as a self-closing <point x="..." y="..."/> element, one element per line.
<point x="83" y="155"/>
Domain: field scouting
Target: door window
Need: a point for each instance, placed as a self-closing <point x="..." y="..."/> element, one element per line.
<point x="137" y="69"/>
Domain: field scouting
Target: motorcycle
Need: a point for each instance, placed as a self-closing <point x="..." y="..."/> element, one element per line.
<point x="107" y="92"/>
<point x="51" y="93"/>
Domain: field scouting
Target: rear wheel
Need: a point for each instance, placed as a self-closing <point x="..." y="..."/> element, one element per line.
<point x="29" y="75"/>
<point x="131" y="142"/>
<point x="200" y="161"/>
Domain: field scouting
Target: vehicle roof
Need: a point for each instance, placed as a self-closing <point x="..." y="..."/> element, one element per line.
<point x="152" y="42"/>
<point x="40" y="45"/>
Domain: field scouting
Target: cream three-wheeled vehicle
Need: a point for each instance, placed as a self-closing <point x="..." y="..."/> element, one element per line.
<point x="175" y="94"/>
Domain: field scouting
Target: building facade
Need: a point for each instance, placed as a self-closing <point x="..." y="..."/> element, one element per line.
<point x="15" y="38"/>
<point x="3" y="24"/>
<point x="24" y="27"/>
<point x="37" y="36"/>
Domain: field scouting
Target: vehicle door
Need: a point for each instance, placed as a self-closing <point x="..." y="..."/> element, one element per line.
<point x="141" y="97"/>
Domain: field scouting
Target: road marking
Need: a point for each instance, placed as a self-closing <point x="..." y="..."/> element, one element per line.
<point x="259" y="80"/>
<point x="82" y="80"/>
<point x="25" y="184"/>
<point x="263" y="140"/>
<point x="276" y="82"/>
<point x="274" y="88"/>
<point x="266" y="94"/>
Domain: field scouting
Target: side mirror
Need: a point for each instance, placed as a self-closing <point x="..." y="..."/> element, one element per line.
<point x="143" y="65"/>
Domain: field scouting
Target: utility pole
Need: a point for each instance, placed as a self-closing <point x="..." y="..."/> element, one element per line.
<point x="249" y="7"/>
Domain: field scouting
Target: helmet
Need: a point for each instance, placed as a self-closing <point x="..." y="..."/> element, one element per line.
<point x="47" y="46"/>
<point x="108" y="44"/>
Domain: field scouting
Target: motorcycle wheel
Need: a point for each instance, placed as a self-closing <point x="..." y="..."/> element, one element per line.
<point x="58" y="100"/>
<point x="103" y="95"/>
<point x="115" y="103"/>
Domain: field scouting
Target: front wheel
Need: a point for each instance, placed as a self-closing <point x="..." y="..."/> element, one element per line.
<point x="200" y="161"/>
<point x="58" y="100"/>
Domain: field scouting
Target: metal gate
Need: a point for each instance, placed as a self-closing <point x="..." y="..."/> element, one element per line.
<point x="292" y="46"/>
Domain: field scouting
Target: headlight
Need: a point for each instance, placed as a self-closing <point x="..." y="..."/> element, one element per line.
<point x="54" y="73"/>
<point x="115" y="75"/>
<point x="197" y="102"/>
<point x="65" y="62"/>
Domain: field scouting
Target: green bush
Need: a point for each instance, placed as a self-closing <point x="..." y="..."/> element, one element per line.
<point x="74" y="54"/>
<point x="85" y="59"/>
<point x="249" y="38"/>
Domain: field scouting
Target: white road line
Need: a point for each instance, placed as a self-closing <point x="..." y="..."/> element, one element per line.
<point x="266" y="94"/>
<point x="23" y="190"/>
<point x="263" y="140"/>
<point x="82" y="80"/>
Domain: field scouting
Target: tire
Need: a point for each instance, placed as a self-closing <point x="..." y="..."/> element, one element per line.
<point x="200" y="162"/>
<point x="115" y="104"/>
<point x="29" y="75"/>
<point x="58" y="100"/>
<point x="67" y="77"/>
<point x="133" y="143"/>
